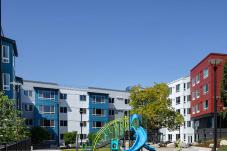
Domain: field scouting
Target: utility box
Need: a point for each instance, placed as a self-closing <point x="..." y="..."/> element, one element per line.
<point x="114" y="145"/>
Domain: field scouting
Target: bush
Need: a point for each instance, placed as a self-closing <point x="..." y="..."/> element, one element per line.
<point x="223" y="148"/>
<point x="38" y="134"/>
<point x="91" y="137"/>
<point x="70" y="138"/>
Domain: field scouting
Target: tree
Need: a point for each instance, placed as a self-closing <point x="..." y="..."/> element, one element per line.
<point x="153" y="105"/>
<point x="224" y="84"/>
<point x="91" y="137"/>
<point x="11" y="124"/>
<point x="38" y="134"/>
<point x="70" y="137"/>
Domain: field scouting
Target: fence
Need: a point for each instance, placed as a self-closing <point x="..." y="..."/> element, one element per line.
<point x="24" y="145"/>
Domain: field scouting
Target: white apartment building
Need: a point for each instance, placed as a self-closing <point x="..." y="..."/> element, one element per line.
<point x="180" y="97"/>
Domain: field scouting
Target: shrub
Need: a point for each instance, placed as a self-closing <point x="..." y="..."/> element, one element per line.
<point x="70" y="137"/>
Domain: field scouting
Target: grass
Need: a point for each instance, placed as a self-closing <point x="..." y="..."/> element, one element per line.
<point x="223" y="148"/>
<point x="101" y="149"/>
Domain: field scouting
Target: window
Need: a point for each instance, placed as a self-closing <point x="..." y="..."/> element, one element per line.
<point x="63" y="109"/>
<point x="46" y="123"/>
<point x="63" y="123"/>
<point x="98" y="99"/>
<point x="178" y="110"/>
<point x="111" y="100"/>
<point x="127" y="101"/>
<point x="184" y="112"/>
<point x="28" y="93"/>
<point x="170" y="90"/>
<point x="197" y="79"/>
<point x="98" y="112"/>
<point x="28" y="122"/>
<point x="188" y="110"/>
<point x="6" y="81"/>
<point x="83" y="124"/>
<point x="61" y="136"/>
<point x="188" y="85"/>
<point x="111" y="112"/>
<point x="126" y="113"/>
<point x="178" y="88"/>
<point x="177" y="136"/>
<point x="193" y="109"/>
<point x="188" y="123"/>
<point x="170" y="137"/>
<point x="205" y="89"/>
<point x="63" y="96"/>
<point x="177" y="100"/>
<point x="46" y="109"/>
<point x="43" y="94"/>
<point x="184" y="86"/>
<point x="197" y="108"/>
<point x="83" y="136"/>
<point x="82" y="97"/>
<point x="197" y="93"/>
<point x="97" y="124"/>
<point x="184" y="99"/>
<point x="184" y="124"/>
<point x="193" y="95"/>
<point x="188" y="98"/>
<point x="5" y="54"/>
<point x="193" y="81"/>
<point x="205" y="104"/>
<point x="83" y="110"/>
<point x="205" y="73"/>
<point x="28" y="107"/>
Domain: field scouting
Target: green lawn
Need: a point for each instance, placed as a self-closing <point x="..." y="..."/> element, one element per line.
<point x="101" y="149"/>
<point x="224" y="148"/>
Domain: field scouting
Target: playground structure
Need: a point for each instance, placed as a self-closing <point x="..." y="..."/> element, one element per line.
<point x="115" y="130"/>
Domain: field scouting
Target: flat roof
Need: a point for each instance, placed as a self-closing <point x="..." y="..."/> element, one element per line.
<point x="218" y="54"/>
<point x="107" y="89"/>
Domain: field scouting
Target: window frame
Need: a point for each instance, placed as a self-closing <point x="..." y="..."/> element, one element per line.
<point x="6" y="87"/>
<point x="5" y="59"/>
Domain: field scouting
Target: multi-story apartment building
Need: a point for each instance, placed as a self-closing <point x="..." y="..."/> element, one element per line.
<point x="61" y="109"/>
<point x="180" y="98"/>
<point x="202" y="92"/>
<point x="10" y="83"/>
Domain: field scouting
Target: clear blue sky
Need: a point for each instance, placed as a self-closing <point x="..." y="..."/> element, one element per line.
<point x="113" y="43"/>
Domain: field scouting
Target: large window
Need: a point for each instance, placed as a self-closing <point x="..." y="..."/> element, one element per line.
<point x="28" y="122"/>
<point x="28" y="93"/>
<point x="178" y="88"/>
<point x="170" y="137"/>
<point x="127" y="101"/>
<point x="63" y="123"/>
<point x="205" y="104"/>
<point x="44" y="94"/>
<point x="98" y="112"/>
<point x="188" y="110"/>
<point x="46" y="123"/>
<point x="98" y="99"/>
<point x="197" y="79"/>
<point x="197" y="93"/>
<point x="170" y="90"/>
<point x="6" y="81"/>
<point x="83" y="110"/>
<point x="82" y="97"/>
<point x="5" y="54"/>
<point x="205" y="89"/>
<point x="177" y="100"/>
<point x="63" y="109"/>
<point x="197" y="108"/>
<point x="205" y="73"/>
<point x="46" y="109"/>
<point x="188" y="123"/>
<point x="111" y="100"/>
<point x="188" y="98"/>
<point x="63" y="96"/>
<point x="188" y="85"/>
<point x="193" y="95"/>
<point x="28" y="107"/>
<point x="83" y="124"/>
<point x="193" y="81"/>
<point x="97" y="124"/>
<point x="111" y="112"/>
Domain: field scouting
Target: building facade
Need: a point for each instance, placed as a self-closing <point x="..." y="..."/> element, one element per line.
<point x="62" y="109"/>
<point x="202" y="92"/>
<point x="180" y="98"/>
<point x="10" y="83"/>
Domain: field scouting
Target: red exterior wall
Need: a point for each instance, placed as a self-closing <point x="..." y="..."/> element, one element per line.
<point x="198" y="69"/>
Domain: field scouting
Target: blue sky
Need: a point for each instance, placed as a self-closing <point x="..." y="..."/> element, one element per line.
<point x="113" y="43"/>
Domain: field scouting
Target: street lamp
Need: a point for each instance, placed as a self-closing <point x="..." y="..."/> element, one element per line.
<point x="215" y="62"/>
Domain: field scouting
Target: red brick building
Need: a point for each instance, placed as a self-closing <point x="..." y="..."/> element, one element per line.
<point x="202" y="97"/>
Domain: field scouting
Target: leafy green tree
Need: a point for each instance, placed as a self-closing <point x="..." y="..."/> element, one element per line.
<point x="11" y="124"/>
<point x="91" y="137"/>
<point x="38" y="134"/>
<point x="70" y="137"/>
<point x="224" y="84"/>
<point x="153" y="105"/>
